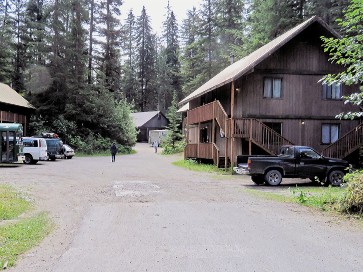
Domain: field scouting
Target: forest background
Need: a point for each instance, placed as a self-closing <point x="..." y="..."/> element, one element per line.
<point x="85" y="70"/>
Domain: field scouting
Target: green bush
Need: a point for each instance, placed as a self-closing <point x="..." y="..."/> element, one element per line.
<point x="95" y="144"/>
<point x="169" y="148"/>
<point x="352" y="201"/>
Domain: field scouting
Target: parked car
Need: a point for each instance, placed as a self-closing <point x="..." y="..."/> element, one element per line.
<point x="34" y="149"/>
<point x="296" y="162"/>
<point x="68" y="152"/>
<point x="54" y="145"/>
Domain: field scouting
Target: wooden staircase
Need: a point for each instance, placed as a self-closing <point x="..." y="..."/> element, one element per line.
<point x="346" y="145"/>
<point x="260" y="134"/>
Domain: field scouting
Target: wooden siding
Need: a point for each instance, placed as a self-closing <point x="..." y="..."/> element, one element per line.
<point x="202" y="151"/>
<point x="12" y="117"/>
<point x="301" y="99"/>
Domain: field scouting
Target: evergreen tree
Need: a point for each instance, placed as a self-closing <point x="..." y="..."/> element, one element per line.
<point x="192" y="59"/>
<point x="6" y="44"/>
<point x="328" y="10"/>
<point x="111" y="31"/>
<point x="208" y="37"/>
<point x="231" y="25"/>
<point x="129" y="78"/>
<point x="19" y="28"/>
<point x="170" y="37"/>
<point x="174" y="135"/>
<point x="146" y="58"/>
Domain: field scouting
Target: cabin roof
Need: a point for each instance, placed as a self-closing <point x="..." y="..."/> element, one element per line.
<point x="141" y="118"/>
<point x="246" y="64"/>
<point x="11" y="97"/>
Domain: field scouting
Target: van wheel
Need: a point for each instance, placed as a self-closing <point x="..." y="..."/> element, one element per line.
<point x="273" y="177"/>
<point x="28" y="159"/>
<point x="335" y="177"/>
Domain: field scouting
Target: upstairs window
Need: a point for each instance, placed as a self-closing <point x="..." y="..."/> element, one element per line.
<point x="329" y="133"/>
<point x="272" y="87"/>
<point x="332" y="92"/>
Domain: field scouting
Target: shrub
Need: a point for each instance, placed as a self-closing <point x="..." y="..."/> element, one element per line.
<point x="352" y="201"/>
<point x="169" y="148"/>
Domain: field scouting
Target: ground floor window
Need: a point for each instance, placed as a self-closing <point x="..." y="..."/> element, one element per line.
<point x="329" y="133"/>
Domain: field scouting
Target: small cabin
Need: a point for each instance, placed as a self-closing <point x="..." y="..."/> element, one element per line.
<point x="148" y="121"/>
<point x="13" y="107"/>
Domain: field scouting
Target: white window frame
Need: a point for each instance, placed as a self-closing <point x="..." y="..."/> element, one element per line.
<point x="272" y="87"/>
<point x="329" y="133"/>
<point x="333" y="91"/>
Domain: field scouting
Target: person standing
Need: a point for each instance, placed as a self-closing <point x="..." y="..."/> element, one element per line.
<point x="113" y="151"/>
<point x="155" y="145"/>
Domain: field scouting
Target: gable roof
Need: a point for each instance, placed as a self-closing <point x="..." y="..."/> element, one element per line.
<point x="241" y="67"/>
<point x="11" y="97"/>
<point x="141" y="118"/>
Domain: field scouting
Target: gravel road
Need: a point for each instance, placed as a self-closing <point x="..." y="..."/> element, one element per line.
<point x="142" y="213"/>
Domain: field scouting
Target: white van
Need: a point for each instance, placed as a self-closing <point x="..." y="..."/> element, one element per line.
<point x="34" y="149"/>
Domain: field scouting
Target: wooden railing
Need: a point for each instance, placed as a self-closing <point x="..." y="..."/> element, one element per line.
<point x="260" y="134"/>
<point x="207" y="112"/>
<point x="221" y="117"/>
<point x="346" y="144"/>
<point x="202" y="151"/>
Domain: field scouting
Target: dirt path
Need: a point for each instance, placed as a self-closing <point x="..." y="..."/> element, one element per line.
<point x="141" y="213"/>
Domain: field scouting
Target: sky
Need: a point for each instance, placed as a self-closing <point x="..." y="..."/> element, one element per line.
<point x="156" y="9"/>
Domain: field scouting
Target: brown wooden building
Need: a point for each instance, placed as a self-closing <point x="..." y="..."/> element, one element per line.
<point x="13" y="107"/>
<point x="147" y="121"/>
<point x="273" y="97"/>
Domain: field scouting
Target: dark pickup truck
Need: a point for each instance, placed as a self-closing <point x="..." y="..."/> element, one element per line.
<point x="295" y="162"/>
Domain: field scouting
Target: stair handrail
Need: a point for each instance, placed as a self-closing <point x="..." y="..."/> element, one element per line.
<point x="262" y="135"/>
<point x="346" y="144"/>
<point x="221" y="116"/>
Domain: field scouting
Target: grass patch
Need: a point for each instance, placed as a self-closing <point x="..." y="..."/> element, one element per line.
<point x="324" y="198"/>
<point x="200" y="167"/>
<point x="12" y="204"/>
<point x="19" y="236"/>
<point x="15" y="239"/>
<point x="270" y="196"/>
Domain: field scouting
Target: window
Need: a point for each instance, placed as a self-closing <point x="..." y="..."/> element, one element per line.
<point x="329" y="133"/>
<point x="333" y="92"/>
<point x="307" y="153"/>
<point x="272" y="87"/>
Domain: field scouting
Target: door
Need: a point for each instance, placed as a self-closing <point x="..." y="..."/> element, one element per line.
<point x="310" y="163"/>
<point x="8" y="142"/>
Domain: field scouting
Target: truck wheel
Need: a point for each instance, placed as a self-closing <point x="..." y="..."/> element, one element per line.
<point x="335" y="177"/>
<point x="258" y="180"/>
<point x="28" y="159"/>
<point x="273" y="177"/>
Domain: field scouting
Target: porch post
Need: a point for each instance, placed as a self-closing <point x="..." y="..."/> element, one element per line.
<point x="232" y="123"/>
<point x="250" y="139"/>
<point x="213" y="138"/>
<point x="198" y="138"/>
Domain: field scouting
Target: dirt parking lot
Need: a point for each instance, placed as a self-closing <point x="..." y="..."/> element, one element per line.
<point x="142" y="213"/>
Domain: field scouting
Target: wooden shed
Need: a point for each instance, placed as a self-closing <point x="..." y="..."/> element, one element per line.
<point x="13" y="107"/>
<point x="146" y="121"/>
